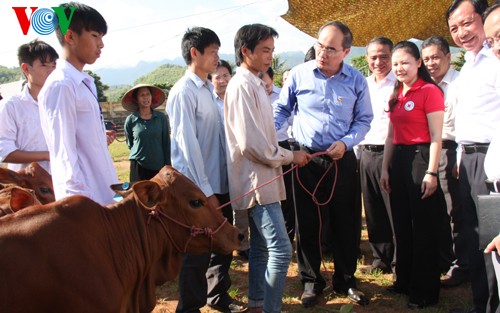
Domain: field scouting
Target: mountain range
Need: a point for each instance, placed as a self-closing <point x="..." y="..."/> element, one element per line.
<point x="127" y="75"/>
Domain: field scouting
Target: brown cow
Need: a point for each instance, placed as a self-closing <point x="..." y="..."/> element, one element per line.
<point x="75" y="255"/>
<point x="13" y="199"/>
<point x="32" y="177"/>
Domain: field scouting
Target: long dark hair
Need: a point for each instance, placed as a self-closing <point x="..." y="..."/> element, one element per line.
<point x="422" y="73"/>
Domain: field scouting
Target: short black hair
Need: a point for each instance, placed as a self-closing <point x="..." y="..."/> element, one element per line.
<point x="479" y="7"/>
<point x="249" y="36"/>
<point x="222" y="63"/>
<point x="381" y="40"/>
<point x="310" y="54"/>
<point x="347" y="42"/>
<point x="36" y="50"/>
<point x="439" y="41"/>
<point x="84" y="18"/>
<point x="198" y="38"/>
<point x="488" y="11"/>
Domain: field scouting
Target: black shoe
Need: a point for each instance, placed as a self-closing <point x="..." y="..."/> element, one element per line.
<point x="357" y="296"/>
<point x="244" y="253"/>
<point x="397" y="289"/>
<point x="234" y="307"/>
<point x="309" y="298"/>
<point x="448" y="281"/>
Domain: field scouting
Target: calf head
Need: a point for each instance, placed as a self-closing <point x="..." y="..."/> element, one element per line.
<point x="182" y="209"/>
<point x="13" y="199"/>
<point x="32" y="177"/>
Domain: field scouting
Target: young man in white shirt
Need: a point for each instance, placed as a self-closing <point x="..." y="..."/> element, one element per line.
<point x="70" y="113"/>
<point x="21" y="137"/>
<point x="376" y="202"/>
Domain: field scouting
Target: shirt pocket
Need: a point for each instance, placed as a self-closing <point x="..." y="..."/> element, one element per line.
<point x="342" y="108"/>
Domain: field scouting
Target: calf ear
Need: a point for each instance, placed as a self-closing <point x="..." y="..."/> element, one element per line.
<point x="147" y="193"/>
<point x="20" y="198"/>
<point x="8" y="176"/>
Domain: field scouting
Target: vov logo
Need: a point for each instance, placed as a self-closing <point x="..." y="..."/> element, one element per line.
<point x="43" y="20"/>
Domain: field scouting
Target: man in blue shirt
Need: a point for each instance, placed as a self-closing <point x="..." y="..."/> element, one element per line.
<point x="198" y="151"/>
<point x="332" y="112"/>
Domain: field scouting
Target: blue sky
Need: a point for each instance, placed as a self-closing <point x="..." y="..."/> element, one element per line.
<point x="147" y="30"/>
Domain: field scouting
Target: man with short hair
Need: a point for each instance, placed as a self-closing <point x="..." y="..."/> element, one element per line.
<point x="376" y="201"/>
<point x="254" y="158"/>
<point x="437" y="59"/>
<point x="198" y="150"/>
<point x="476" y="119"/>
<point x="21" y="136"/>
<point x="332" y="113"/>
<point x="70" y="113"/>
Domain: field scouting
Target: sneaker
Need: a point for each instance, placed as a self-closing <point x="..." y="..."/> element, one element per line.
<point x="234" y="307"/>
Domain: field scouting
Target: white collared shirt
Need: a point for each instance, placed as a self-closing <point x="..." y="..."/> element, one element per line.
<point x="74" y="131"/>
<point x="20" y="128"/>
<point x="491" y="164"/>
<point x="450" y="101"/>
<point x="478" y="92"/>
<point x="198" y="146"/>
<point x="380" y="94"/>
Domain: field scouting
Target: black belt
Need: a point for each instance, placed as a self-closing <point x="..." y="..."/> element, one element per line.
<point x="374" y="148"/>
<point x="449" y="144"/>
<point x="493" y="186"/>
<point x="477" y="147"/>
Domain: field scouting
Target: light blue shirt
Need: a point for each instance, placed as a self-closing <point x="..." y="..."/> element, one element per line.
<point x="198" y="140"/>
<point x="325" y="109"/>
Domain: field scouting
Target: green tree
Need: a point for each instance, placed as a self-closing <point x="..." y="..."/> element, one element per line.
<point x="460" y="60"/>
<point x="164" y="74"/>
<point x="99" y="85"/>
<point x="361" y="65"/>
<point x="8" y="75"/>
<point x="278" y="67"/>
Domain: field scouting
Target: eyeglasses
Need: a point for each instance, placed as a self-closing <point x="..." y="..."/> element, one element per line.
<point x="491" y="42"/>
<point x="329" y="51"/>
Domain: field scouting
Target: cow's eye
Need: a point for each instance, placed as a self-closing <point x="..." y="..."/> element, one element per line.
<point x="196" y="203"/>
<point x="45" y="190"/>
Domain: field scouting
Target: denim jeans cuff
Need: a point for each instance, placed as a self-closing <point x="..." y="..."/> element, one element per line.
<point x="255" y="303"/>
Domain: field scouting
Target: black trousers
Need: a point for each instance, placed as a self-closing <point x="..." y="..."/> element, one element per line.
<point x="416" y="225"/>
<point x="204" y="278"/>
<point x="137" y="172"/>
<point x="288" y="206"/>
<point x="482" y="274"/>
<point x="344" y="217"/>
<point x="377" y="210"/>
<point x="453" y="256"/>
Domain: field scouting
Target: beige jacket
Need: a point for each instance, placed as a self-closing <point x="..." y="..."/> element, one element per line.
<point x="253" y="154"/>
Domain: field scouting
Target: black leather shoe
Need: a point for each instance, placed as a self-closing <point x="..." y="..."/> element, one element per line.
<point x="357" y="296"/>
<point x="234" y="307"/>
<point x="309" y="298"/>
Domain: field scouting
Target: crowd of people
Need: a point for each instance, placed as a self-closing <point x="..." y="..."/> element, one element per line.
<point x="419" y="137"/>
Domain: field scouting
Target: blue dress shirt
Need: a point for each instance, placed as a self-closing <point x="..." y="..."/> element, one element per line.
<point x="325" y="109"/>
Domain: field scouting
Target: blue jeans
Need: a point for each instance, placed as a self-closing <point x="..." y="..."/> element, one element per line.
<point x="270" y="255"/>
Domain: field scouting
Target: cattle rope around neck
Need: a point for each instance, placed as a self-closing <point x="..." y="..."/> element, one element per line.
<point x="193" y="230"/>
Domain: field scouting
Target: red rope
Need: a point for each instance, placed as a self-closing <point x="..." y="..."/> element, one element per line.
<point x="312" y="194"/>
